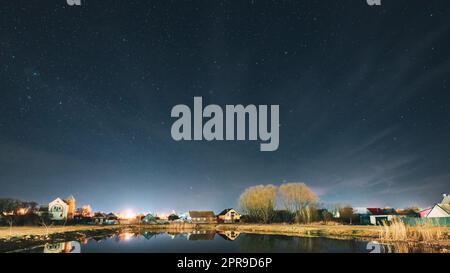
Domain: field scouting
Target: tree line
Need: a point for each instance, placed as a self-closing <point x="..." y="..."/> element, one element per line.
<point x="299" y="203"/>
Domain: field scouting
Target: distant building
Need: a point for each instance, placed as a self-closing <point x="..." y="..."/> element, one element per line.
<point x="149" y="218"/>
<point x="228" y="216"/>
<point x="111" y="219"/>
<point x="99" y="218"/>
<point x="376" y="216"/>
<point x="201" y="216"/>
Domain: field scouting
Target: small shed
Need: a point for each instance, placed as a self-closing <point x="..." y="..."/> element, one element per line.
<point x="197" y="216"/>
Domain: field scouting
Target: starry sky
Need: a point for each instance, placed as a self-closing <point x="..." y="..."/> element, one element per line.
<point x="86" y="94"/>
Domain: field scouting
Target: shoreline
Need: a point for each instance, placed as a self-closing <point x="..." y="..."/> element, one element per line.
<point x="29" y="237"/>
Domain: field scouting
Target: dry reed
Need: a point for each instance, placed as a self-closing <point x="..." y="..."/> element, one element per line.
<point x="397" y="230"/>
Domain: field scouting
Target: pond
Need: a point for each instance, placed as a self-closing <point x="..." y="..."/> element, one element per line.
<point x="213" y="242"/>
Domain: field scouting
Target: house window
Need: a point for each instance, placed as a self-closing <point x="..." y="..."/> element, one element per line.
<point x="56" y="209"/>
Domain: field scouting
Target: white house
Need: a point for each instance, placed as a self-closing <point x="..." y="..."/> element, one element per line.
<point x="442" y="209"/>
<point x="58" y="209"/>
<point x="229" y="216"/>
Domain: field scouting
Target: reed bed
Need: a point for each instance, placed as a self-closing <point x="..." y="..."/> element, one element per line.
<point x="397" y="230"/>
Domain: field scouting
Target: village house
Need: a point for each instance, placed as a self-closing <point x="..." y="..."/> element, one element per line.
<point x="201" y="217"/>
<point x="60" y="209"/>
<point x="228" y="216"/>
<point x="111" y="219"/>
<point x="441" y="209"/>
<point x="99" y="218"/>
<point x="149" y="218"/>
<point x="376" y="216"/>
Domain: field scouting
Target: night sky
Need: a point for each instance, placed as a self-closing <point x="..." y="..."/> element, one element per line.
<point x="86" y="94"/>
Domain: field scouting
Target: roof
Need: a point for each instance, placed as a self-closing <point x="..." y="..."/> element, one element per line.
<point x="112" y="216"/>
<point x="201" y="214"/>
<point x="225" y="211"/>
<point x="445" y="207"/>
<point x="99" y="215"/>
<point x="375" y="211"/>
<point x="58" y="200"/>
<point x="379" y="211"/>
<point x="424" y="213"/>
<point x="360" y="210"/>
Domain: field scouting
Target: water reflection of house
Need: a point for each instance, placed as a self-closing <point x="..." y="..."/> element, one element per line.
<point x="148" y="235"/>
<point x="173" y="235"/>
<point x="66" y="247"/>
<point x="229" y="216"/>
<point x="200" y="235"/>
<point x="229" y="235"/>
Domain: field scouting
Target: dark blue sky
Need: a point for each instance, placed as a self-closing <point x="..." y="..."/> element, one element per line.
<point x="86" y="94"/>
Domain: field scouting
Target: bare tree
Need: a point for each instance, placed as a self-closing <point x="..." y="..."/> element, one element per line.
<point x="10" y="221"/>
<point x="45" y="220"/>
<point x="347" y="212"/>
<point x="298" y="199"/>
<point x="258" y="202"/>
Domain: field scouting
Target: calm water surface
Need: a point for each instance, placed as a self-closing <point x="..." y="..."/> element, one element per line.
<point x="202" y="241"/>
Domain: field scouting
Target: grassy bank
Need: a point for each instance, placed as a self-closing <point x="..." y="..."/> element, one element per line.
<point x="318" y="230"/>
<point x="395" y="233"/>
<point x="28" y="237"/>
<point x="18" y="232"/>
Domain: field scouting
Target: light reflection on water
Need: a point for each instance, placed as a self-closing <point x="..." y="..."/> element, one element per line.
<point x="223" y="242"/>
